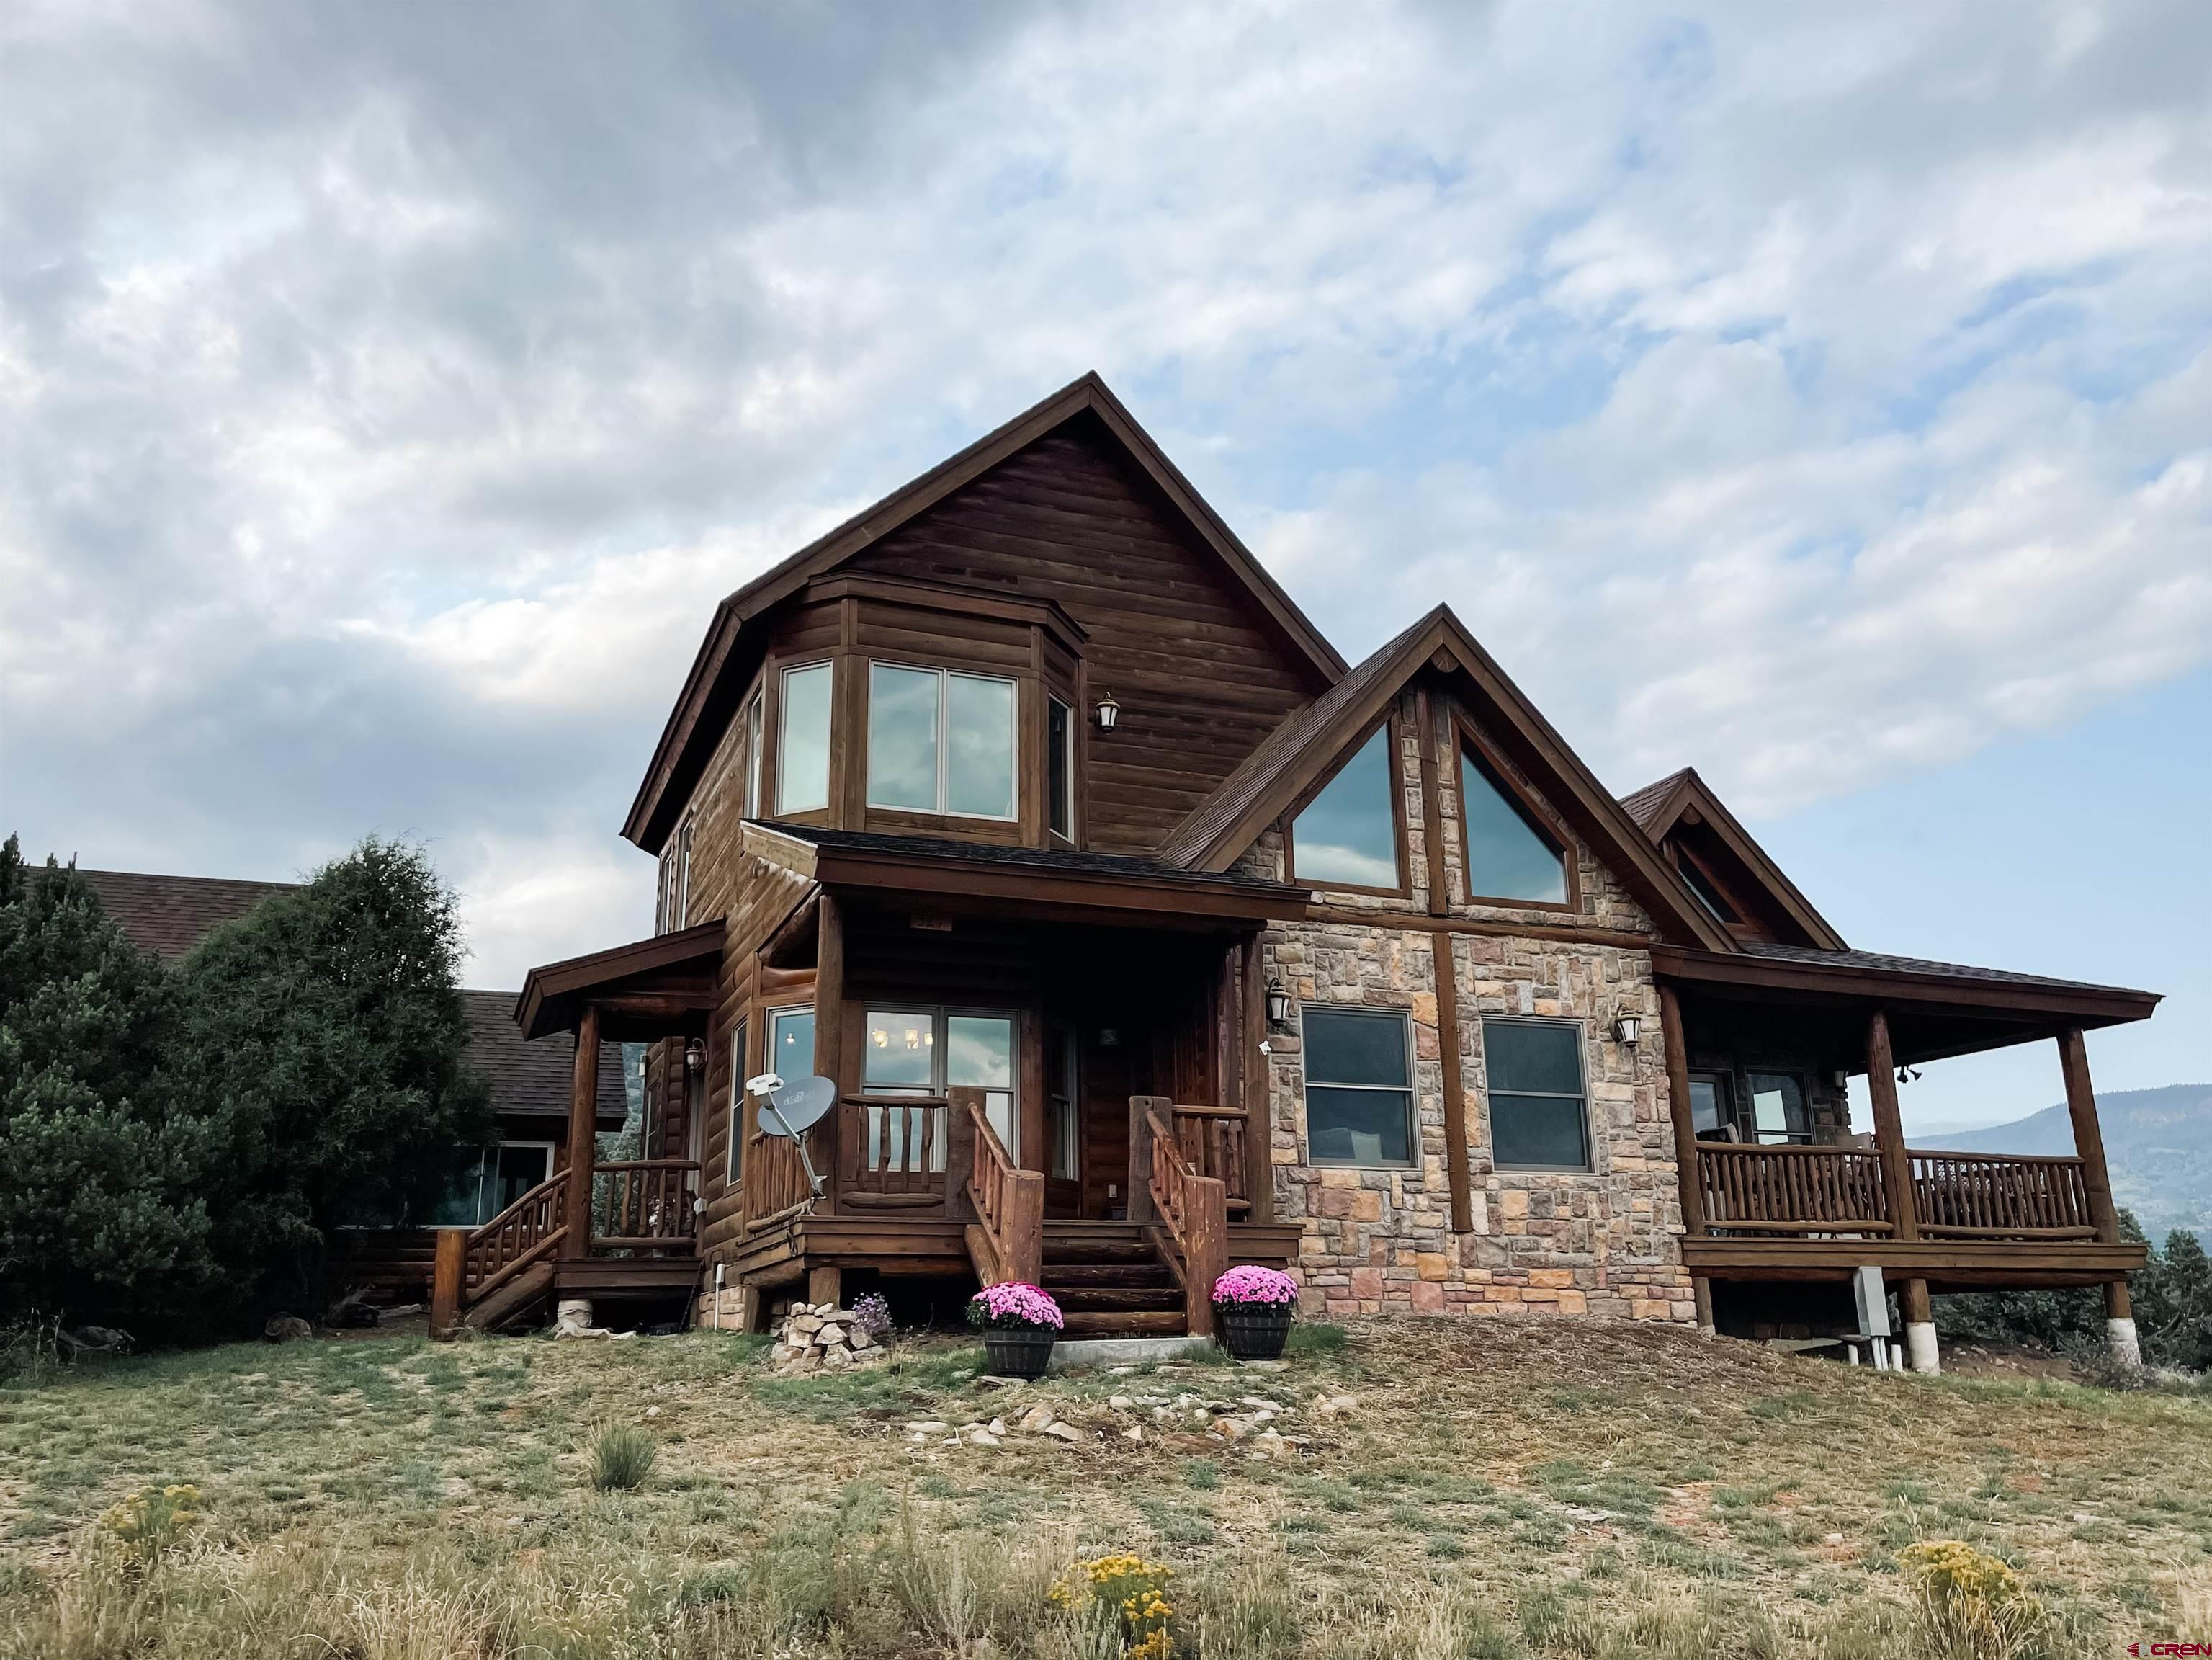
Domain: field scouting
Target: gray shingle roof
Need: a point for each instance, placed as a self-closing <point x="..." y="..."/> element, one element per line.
<point x="168" y="915"/>
<point x="1644" y="805"/>
<point x="1814" y="956"/>
<point x="534" y="1077"/>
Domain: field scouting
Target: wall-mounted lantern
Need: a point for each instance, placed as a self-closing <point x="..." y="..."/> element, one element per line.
<point x="1628" y="1028"/>
<point x="1279" y="1004"/>
<point x="1108" y="713"/>
<point x="695" y="1055"/>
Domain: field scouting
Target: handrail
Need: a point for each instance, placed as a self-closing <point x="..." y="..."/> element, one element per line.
<point x="527" y="1222"/>
<point x="1213" y="1138"/>
<point x="895" y="1146"/>
<point x="1757" y="1187"/>
<point x="1009" y="1200"/>
<point x="1195" y="1209"/>
<point x="1980" y="1196"/>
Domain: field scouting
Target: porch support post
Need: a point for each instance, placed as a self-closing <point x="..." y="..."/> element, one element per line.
<point x="2097" y="1184"/>
<point x="1140" y="1205"/>
<point x="583" y="1149"/>
<point x="1252" y="1078"/>
<point x="829" y="1036"/>
<point x="1897" y="1185"/>
<point x="1445" y="953"/>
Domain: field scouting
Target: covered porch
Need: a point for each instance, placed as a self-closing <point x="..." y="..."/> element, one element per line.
<point x="1779" y="1189"/>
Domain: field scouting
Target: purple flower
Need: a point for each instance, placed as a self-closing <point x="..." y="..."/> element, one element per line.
<point x="1014" y="1306"/>
<point x="1251" y="1287"/>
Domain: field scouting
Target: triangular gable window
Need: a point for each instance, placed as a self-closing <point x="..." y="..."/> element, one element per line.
<point x="1347" y="836"/>
<point x="1507" y="856"/>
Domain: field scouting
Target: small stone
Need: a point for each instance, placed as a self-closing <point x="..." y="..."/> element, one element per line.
<point x="1036" y="1418"/>
<point x="809" y="1323"/>
<point x="1120" y="1402"/>
<point x="836" y="1361"/>
<point x="984" y="1438"/>
<point x="833" y="1336"/>
<point x="928" y="1426"/>
<point x="1831" y="1539"/>
<point x="1259" y="1404"/>
<point x="1118" y="1372"/>
<point x="1161" y="1414"/>
<point x="992" y="1381"/>
<point x="1065" y="1432"/>
<point x="1234" y="1429"/>
<point x="1134" y="1432"/>
<point x="858" y="1338"/>
<point x="516" y="1521"/>
<point x="998" y="1426"/>
<point x="653" y="1412"/>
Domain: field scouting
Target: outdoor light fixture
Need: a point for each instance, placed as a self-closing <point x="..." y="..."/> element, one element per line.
<point x="695" y="1055"/>
<point x="1108" y="713"/>
<point x="1279" y="1004"/>
<point x="1908" y="1074"/>
<point x="1627" y="1026"/>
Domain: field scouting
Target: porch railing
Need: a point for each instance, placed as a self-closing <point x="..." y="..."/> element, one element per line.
<point x="1975" y="1195"/>
<point x="896" y="1149"/>
<point x="1192" y="1208"/>
<point x="526" y="1232"/>
<point x="646" y="1204"/>
<point x="1795" y="1190"/>
<point x="1212" y="1139"/>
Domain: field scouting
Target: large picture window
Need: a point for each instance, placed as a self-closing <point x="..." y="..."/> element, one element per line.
<point x="1538" y="1117"/>
<point x="1359" y="1087"/>
<point x="1507" y="856"/>
<point x="802" y="750"/>
<point x="928" y="1051"/>
<point x="1347" y="836"/>
<point x="940" y="742"/>
<point x="485" y="1181"/>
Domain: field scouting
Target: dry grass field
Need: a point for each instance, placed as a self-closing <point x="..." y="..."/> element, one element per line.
<point x="1496" y="1491"/>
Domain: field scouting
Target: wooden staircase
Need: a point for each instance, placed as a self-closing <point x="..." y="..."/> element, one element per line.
<point x="1110" y="1281"/>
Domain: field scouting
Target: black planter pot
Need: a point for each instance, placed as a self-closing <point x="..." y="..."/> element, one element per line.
<point x="1020" y="1354"/>
<point x="1255" y="1333"/>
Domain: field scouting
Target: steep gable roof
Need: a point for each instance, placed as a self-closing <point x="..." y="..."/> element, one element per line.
<point x="708" y="699"/>
<point x="1661" y="805"/>
<point x="1313" y="740"/>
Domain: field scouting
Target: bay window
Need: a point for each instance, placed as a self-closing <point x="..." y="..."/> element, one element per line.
<point x="802" y="756"/>
<point x="940" y="742"/>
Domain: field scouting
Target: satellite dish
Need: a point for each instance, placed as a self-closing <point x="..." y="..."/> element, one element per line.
<point x="797" y="1107"/>
<point x="791" y="1109"/>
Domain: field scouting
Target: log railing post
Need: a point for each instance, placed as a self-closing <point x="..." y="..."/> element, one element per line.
<point x="1897" y="1179"/>
<point x="583" y="1130"/>
<point x="446" y="1271"/>
<point x="959" y="1149"/>
<point x="1679" y="1109"/>
<point x="1254" y="1078"/>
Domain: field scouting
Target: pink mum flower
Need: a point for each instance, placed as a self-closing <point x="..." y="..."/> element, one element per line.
<point x="1252" y="1287"/>
<point x="1014" y="1306"/>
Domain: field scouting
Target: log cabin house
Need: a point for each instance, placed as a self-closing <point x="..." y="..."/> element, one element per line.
<point x="1141" y="934"/>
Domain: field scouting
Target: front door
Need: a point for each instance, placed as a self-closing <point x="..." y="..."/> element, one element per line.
<point x="1116" y="1063"/>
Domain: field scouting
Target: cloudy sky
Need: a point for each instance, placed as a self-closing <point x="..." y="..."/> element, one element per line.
<point x="1823" y="397"/>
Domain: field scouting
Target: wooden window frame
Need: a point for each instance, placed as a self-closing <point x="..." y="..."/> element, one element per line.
<point x="753" y="711"/>
<point x="1391" y="725"/>
<point x="682" y="914"/>
<point x="1724" y="1101"/>
<point x="1581" y="1029"/>
<point x="1411" y="1089"/>
<point x="733" y="1166"/>
<point x="940" y="1016"/>
<point x="945" y="677"/>
<point x="1053" y="802"/>
<point x="784" y="672"/>
<point x="1538" y="818"/>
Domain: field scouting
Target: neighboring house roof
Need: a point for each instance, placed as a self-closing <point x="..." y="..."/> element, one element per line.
<point x="1659" y="806"/>
<point x="535" y="1079"/>
<point x="168" y="915"/>
<point x="706" y="702"/>
<point x="1312" y="741"/>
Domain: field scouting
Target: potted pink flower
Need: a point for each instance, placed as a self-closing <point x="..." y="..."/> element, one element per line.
<point x="1253" y="1308"/>
<point x="1020" y="1323"/>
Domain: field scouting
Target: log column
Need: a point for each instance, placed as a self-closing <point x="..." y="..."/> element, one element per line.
<point x="1897" y="1185"/>
<point x="1691" y="1180"/>
<point x="1253" y="1077"/>
<point x="583" y="1154"/>
<point x="829" y="1033"/>
<point x="2097" y="1184"/>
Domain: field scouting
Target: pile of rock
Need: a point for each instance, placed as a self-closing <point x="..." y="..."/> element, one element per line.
<point x="822" y="1337"/>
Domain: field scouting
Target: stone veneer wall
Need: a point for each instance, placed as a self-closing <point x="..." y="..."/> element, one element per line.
<point x="1600" y="1243"/>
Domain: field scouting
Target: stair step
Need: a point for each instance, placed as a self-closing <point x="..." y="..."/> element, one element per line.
<point x="1154" y="1273"/>
<point x="1089" y="1251"/>
<point x="1093" y="1299"/>
<point x="1130" y="1323"/>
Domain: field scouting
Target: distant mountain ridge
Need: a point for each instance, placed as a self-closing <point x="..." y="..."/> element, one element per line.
<point x="2158" y="1145"/>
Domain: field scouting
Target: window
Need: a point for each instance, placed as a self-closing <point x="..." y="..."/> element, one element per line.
<point x="802" y="756"/>
<point x="1508" y="856"/>
<point x="753" y="758"/>
<point x="1777" y="1107"/>
<point x="1534" y="1069"/>
<point x="1060" y="767"/>
<point x="680" y="916"/>
<point x="1064" y="1105"/>
<point x="1347" y="836"/>
<point x="940" y="742"/>
<point x="485" y="1180"/>
<point x="930" y="1051"/>
<point x="1712" y="1110"/>
<point x="1359" y="1087"/>
<point x="736" y="1170"/>
<point x="790" y="1045"/>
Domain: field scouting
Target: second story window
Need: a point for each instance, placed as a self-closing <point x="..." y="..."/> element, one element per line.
<point x="680" y="912"/>
<point x="802" y="755"/>
<point x="753" y="757"/>
<point x="1060" y="767"/>
<point x="1347" y="836"/>
<point x="940" y="742"/>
